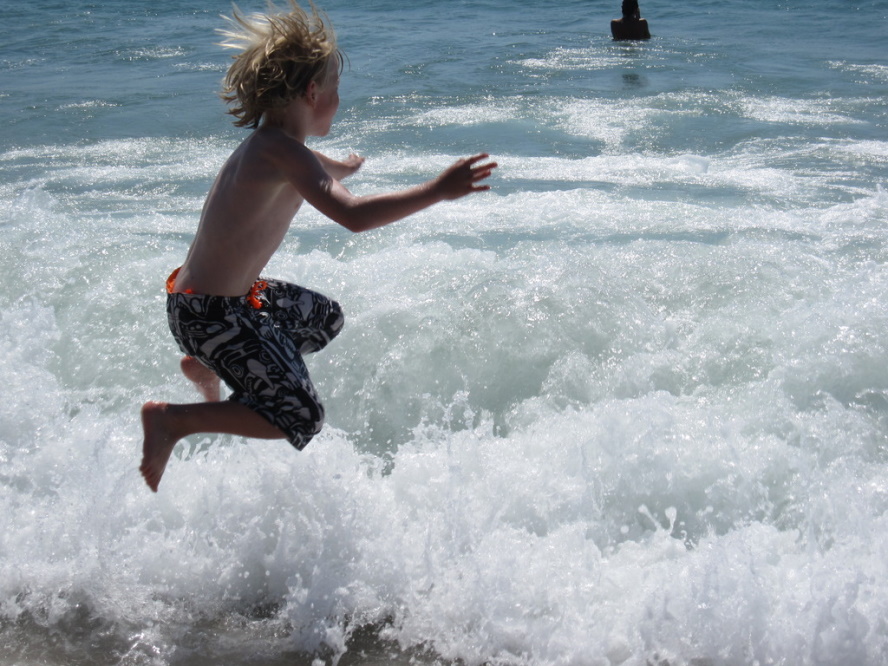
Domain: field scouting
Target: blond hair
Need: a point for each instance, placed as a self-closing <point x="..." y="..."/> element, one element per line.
<point x="280" y="54"/>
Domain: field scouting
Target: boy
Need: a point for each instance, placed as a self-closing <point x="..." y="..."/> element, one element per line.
<point x="252" y="333"/>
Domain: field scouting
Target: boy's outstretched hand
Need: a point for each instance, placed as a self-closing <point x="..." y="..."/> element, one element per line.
<point x="352" y="163"/>
<point x="463" y="176"/>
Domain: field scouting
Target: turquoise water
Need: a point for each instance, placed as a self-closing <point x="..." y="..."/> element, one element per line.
<point x="630" y="406"/>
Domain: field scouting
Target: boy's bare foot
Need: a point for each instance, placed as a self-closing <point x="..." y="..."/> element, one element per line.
<point x="206" y="381"/>
<point x="158" y="445"/>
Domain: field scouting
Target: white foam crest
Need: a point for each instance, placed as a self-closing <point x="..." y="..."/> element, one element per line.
<point x="143" y="178"/>
<point x="21" y="63"/>
<point x="644" y="171"/>
<point x="151" y="153"/>
<point x="486" y="111"/>
<point x="573" y="58"/>
<point x="90" y="104"/>
<point x="202" y="66"/>
<point x="872" y="70"/>
<point x="874" y="150"/>
<point x="154" y="53"/>
<point x="603" y="120"/>
<point x="815" y="112"/>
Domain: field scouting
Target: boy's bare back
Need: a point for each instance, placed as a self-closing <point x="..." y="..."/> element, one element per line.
<point x="246" y="215"/>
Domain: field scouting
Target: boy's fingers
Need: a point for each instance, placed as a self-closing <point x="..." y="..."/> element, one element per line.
<point x="471" y="161"/>
<point x="483" y="171"/>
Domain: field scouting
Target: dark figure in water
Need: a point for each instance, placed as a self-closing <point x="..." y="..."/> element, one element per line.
<point x="631" y="26"/>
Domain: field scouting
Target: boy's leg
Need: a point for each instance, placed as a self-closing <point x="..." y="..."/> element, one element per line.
<point x="166" y="424"/>
<point x="206" y="381"/>
<point x="264" y="369"/>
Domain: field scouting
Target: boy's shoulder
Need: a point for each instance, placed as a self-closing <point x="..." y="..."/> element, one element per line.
<point x="271" y="155"/>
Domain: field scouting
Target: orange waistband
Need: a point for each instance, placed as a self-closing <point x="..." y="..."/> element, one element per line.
<point x="171" y="282"/>
<point x="252" y="297"/>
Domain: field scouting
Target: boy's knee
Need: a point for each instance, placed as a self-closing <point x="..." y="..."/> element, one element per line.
<point x="335" y="320"/>
<point x="318" y="422"/>
<point x="301" y="431"/>
<point x="312" y="413"/>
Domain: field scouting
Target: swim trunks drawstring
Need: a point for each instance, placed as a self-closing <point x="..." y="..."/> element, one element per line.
<point x="253" y="298"/>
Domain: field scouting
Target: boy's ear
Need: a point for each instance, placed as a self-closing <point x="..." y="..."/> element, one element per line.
<point x="311" y="92"/>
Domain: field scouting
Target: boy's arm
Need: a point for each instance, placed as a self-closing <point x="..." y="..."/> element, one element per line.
<point x="305" y="171"/>
<point x="337" y="169"/>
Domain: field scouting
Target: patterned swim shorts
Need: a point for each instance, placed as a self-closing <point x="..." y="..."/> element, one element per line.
<point x="255" y="344"/>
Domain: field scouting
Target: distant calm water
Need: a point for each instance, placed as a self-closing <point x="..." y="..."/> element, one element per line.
<point x="629" y="407"/>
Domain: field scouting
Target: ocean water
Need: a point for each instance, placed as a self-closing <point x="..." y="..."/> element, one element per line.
<point x="629" y="407"/>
